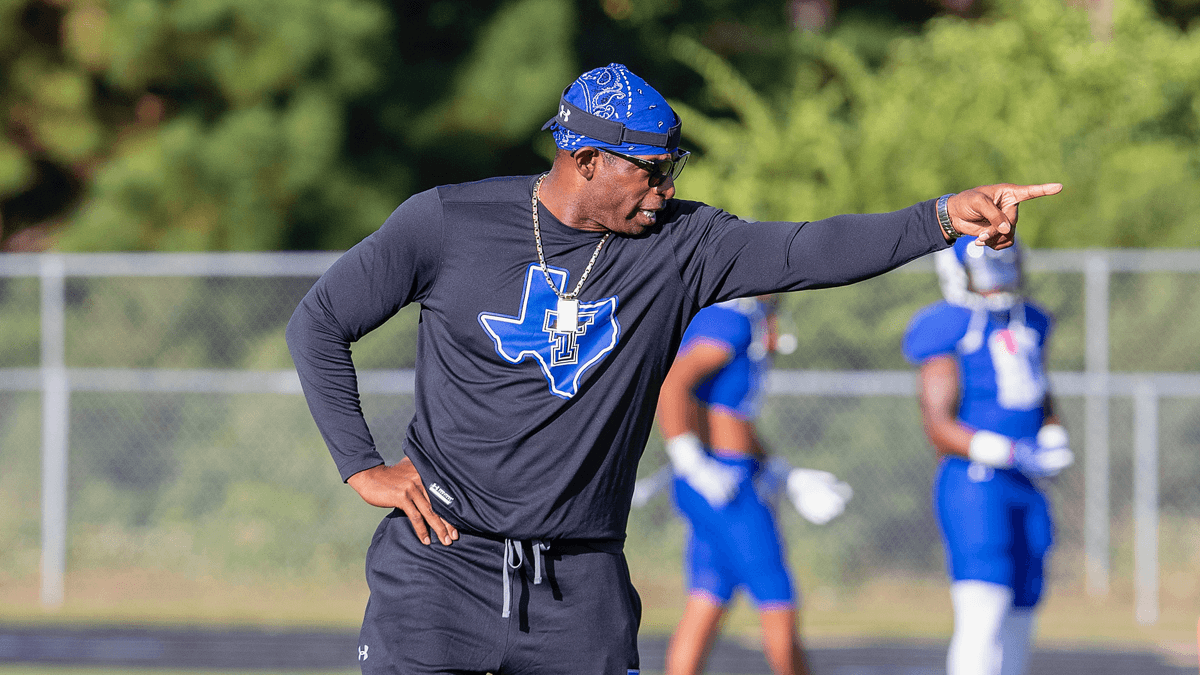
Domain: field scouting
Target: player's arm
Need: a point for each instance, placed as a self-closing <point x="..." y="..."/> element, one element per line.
<point x="678" y="410"/>
<point x="939" y="398"/>
<point x="681" y="420"/>
<point x="1049" y="408"/>
<point x="1051" y="451"/>
<point x="938" y="394"/>
<point x="1052" y="436"/>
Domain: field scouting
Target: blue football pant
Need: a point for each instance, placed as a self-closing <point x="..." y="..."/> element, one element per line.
<point x="995" y="525"/>
<point x="737" y="545"/>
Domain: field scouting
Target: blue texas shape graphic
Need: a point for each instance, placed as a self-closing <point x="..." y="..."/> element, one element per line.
<point x="563" y="356"/>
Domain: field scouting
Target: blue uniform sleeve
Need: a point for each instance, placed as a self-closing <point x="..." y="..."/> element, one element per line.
<point x="718" y="325"/>
<point x="722" y="257"/>
<point x="392" y="267"/>
<point x="933" y="331"/>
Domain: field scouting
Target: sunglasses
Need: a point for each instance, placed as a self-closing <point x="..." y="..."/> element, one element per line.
<point x="659" y="169"/>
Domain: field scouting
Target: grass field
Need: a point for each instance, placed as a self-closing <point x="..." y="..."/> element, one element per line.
<point x="887" y="608"/>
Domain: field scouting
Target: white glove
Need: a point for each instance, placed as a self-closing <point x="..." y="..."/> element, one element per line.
<point x="1045" y="458"/>
<point x="644" y="489"/>
<point x="1053" y="451"/>
<point x="818" y="495"/>
<point x="992" y="449"/>
<point x="714" y="481"/>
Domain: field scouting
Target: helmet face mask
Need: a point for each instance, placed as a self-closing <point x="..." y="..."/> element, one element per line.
<point x="973" y="275"/>
<point x="989" y="270"/>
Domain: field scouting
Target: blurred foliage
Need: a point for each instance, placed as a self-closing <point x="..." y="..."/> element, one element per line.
<point x="233" y="125"/>
<point x="1028" y="96"/>
<point x="294" y="124"/>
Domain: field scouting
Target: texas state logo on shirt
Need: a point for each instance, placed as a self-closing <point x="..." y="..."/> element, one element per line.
<point x="563" y="355"/>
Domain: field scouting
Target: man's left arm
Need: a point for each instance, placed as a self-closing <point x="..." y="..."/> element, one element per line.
<point x="742" y="258"/>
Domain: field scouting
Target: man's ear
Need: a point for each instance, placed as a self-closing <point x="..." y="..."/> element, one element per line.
<point x="587" y="162"/>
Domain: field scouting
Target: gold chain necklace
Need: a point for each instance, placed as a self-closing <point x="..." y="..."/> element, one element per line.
<point x="567" y="309"/>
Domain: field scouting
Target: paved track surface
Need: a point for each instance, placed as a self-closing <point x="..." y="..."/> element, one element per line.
<point x="241" y="650"/>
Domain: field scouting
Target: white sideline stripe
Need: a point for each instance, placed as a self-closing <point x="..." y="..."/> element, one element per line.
<point x="403" y="381"/>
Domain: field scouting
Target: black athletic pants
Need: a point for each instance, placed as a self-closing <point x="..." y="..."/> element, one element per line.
<point x="439" y="609"/>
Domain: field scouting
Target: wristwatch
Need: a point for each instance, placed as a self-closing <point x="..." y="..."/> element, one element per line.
<point x="943" y="217"/>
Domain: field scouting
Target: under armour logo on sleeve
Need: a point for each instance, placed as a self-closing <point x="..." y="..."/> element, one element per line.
<point x="362" y="652"/>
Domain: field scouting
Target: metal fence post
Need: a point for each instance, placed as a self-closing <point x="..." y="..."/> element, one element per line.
<point x="1096" y="498"/>
<point x="55" y="416"/>
<point x="1145" y="503"/>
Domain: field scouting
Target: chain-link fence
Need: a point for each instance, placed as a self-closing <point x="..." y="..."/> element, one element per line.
<point x="150" y="419"/>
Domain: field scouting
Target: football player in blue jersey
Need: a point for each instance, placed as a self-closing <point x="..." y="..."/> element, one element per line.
<point x="726" y="488"/>
<point x="986" y="408"/>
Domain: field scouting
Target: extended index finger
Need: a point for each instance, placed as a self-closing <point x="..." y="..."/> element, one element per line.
<point x="1022" y="193"/>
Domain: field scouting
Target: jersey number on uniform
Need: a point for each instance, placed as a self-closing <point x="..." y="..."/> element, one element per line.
<point x="1017" y="358"/>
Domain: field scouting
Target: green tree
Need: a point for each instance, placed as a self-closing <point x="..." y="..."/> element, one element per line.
<point x="239" y="124"/>
<point x="1028" y="96"/>
<point x="234" y="125"/>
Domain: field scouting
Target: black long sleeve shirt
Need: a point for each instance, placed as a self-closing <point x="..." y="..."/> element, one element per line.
<point x="520" y="430"/>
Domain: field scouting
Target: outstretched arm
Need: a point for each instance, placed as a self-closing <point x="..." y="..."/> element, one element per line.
<point x="738" y="258"/>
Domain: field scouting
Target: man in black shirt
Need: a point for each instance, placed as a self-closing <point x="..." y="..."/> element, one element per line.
<point x="551" y="308"/>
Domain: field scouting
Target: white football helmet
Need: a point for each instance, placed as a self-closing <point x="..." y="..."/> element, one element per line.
<point x="979" y="276"/>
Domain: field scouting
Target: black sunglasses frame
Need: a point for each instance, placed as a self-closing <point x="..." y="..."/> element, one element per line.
<point x="658" y="169"/>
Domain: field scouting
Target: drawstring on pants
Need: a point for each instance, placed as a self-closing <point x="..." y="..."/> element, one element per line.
<point x="514" y="557"/>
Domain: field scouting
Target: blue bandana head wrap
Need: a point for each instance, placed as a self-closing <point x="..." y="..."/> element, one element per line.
<point x="613" y="109"/>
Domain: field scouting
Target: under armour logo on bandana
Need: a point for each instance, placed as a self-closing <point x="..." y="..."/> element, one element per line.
<point x="564" y="113"/>
<point x="562" y="355"/>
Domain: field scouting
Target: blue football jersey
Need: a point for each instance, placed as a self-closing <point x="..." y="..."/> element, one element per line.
<point x="1000" y="359"/>
<point x="739" y="326"/>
